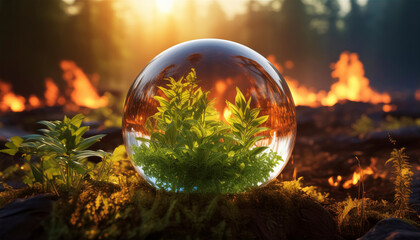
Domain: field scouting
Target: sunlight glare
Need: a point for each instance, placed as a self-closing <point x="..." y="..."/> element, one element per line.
<point x="164" y="6"/>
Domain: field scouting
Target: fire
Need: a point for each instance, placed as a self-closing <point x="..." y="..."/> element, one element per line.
<point x="357" y="175"/>
<point x="34" y="101"/>
<point x="9" y="100"/>
<point x="335" y="183"/>
<point x="83" y="93"/>
<point x="301" y="95"/>
<point x="389" y="108"/>
<point x="304" y="96"/>
<point x="351" y="85"/>
<point x="51" y="92"/>
<point x="80" y="91"/>
<point x="221" y="87"/>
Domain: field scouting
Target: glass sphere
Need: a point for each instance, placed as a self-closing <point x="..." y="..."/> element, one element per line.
<point x="209" y="115"/>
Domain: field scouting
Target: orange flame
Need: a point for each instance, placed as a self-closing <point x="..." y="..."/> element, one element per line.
<point x="352" y="84"/>
<point x="389" y="107"/>
<point x="51" y="92"/>
<point x="301" y="94"/>
<point x="335" y="183"/>
<point x="9" y="100"/>
<point x="357" y="176"/>
<point x="83" y="93"/>
<point x="34" y="101"/>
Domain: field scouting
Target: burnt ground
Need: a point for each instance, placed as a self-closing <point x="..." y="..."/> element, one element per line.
<point x="326" y="145"/>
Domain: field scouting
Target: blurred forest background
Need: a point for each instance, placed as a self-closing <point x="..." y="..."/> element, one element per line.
<point x="116" y="39"/>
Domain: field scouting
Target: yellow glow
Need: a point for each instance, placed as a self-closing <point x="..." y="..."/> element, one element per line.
<point x="164" y="6"/>
<point x="227" y="113"/>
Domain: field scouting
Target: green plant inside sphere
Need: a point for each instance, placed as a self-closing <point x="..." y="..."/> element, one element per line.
<point x="209" y="116"/>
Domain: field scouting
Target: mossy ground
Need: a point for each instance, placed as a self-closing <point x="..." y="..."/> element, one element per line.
<point x="132" y="209"/>
<point x="101" y="210"/>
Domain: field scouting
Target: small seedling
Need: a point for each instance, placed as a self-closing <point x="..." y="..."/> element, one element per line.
<point x="62" y="152"/>
<point x="402" y="181"/>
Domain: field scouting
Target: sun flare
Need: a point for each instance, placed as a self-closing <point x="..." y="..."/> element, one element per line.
<point x="164" y="6"/>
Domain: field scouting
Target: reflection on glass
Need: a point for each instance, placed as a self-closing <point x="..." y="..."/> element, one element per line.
<point x="220" y="67"/>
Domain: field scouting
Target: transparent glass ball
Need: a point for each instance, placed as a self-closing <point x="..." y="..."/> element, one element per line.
<point x="209" y="115"/>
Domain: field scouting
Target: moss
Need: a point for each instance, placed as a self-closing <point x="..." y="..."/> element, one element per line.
<point x="354" y="217"/>
<point x="108" y="211"/>
<point x="363" y="125"/>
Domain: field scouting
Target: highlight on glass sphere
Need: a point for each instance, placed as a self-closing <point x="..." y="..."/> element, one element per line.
<point x="209" y="116"/>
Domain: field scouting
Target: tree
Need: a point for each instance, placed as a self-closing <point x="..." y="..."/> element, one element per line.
<point x="355" y="28"/>
<point x="31" y="40"/>
<point x="219" y="26"/>
<point x="395" y="33"/>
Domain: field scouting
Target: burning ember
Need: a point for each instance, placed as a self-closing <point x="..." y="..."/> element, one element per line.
<point x="352" y="84"/>
<point x="359" y="175"/>
<point x="34" y="101"/>
<point x="389" y="108"/>
<point x="335" y="183"/>
<point x="81" y="92"/>
<point x="9" y="100"/>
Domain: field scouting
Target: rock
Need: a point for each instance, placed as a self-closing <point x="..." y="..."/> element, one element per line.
<point x="13" y="184"/>
<point x="392" y="229"/>
<point x="22" y="219"/>
<point x="415" y="192"/>
<point x="315" y="223"/>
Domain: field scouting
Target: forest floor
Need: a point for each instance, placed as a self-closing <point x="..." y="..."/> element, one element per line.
<point x="332" y="143"/>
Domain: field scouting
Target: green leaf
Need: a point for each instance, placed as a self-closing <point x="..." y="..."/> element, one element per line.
<point x="256" y="131"/>
<point x="79" y="155"/>
<point x="253" y="140"/>
<point x="239" y="99"/>
<point x="261" y="120"/>
<point x="10" y="151"/>
<point x="80" y="131"/>
<point x="171" y="134"/>
<point x="37" y="137"/>
<point x="52" y="144"/>
<point x="254" y="113"/>
<point x="239" y="127"/>
<point x="48" y="124"/>
<point x="37" y="174"/>
<point x="258" y="150"/>
<point x="162" y="101"/>
<point x="77" y="166"/>
<point x="17" y="141"/>
<point x="158" y="136"/>
<point x="86" y="143"/>
<point x="10" y="145"/>
<point x="77" y="120"/>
